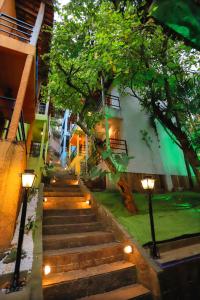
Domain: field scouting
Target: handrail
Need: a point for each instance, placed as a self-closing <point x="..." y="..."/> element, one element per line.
<point x="12" y="18"/>
<point x="21" y="33"/>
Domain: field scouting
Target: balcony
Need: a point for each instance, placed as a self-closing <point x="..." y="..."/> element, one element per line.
<point x="118" y="146"/>
<point x="111" y="101"/>
<point x="15" y="28"/>
<point x="6" y="109"/>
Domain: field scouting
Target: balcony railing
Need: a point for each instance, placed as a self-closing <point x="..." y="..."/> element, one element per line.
<point x="110" y="101"/>
<point x="15" y="28"/>
<point x="118" y="146"/>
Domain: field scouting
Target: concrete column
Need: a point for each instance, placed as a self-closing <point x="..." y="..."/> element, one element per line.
<point x="20" y="98"/>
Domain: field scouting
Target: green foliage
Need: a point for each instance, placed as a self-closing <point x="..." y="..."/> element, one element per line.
<point x="98" y="37"/>
<point x="11" y="256"/>
<point x="146" y="138"/>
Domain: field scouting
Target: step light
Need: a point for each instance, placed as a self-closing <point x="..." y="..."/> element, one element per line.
<point x="47" y="270"/>
<point x="128" y="249"/>
<point x="88" y="202"/>
<point x="53" y="180"/>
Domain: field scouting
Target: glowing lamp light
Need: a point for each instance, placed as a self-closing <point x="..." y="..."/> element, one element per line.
<point x="128" y="249"/>
<point x="148" y="183"/>
<point x="45" y="199"/>
<point x="53" y="180"/>
<point x="89" y="113"/>
<point x="47" y="270"/>
<point x="88" y="202"/>
<point x="28" y="178"/>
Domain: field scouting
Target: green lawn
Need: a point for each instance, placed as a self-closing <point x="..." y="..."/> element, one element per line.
<point x="175" y="214"/>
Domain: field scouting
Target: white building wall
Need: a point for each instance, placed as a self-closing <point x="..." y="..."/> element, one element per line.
<point x="157" y="158"/>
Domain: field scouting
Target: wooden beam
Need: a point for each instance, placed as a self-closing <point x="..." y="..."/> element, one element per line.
<point x="38" y="25"/>
<point x="20" y="98"/>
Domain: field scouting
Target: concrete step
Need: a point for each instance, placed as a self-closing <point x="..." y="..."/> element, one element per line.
<point x="67" y="212"/>
<point x="55" y="193"/>
<point x="61" y="188"/>
<point x="55" y="220"/>
<point x="63" y="203"/>
<point x="63" y="260"/>
<point x="65" y="198"/>
<point x="71" y="228"/>
<point x="76" y="284"/>
<point x="60" y="241"/>
<point x="130" y="292"/>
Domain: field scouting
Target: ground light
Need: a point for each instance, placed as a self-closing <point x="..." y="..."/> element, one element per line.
<point x="148" y="185"/>
<point x="28" y="178"/>
<point x="47" y="270"/>
<point x="128" y="249"/>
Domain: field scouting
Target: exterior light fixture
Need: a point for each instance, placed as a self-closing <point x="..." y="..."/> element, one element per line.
<point x="148" y="185"/>
<point x="47" y="270"/>
<point x="28" y="178"/>
<point x="128" y="249"/>
<point x="89" y="113"/>
<point x="41" y="133"/>
<point x="45" y="199"/>
<point x="88" y="202"/>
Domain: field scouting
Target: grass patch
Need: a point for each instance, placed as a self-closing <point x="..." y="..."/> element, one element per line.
<point x="175" y="214"/>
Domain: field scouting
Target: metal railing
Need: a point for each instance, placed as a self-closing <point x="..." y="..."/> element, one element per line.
<point x="118" y="146"/>
<point x="110" y="101"/>
<point x="15" y="28"/>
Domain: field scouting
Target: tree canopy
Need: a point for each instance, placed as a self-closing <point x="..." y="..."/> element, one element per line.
<point x="113" y="39"/>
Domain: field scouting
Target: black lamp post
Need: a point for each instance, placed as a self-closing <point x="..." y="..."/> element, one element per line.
<point x="148" y="185"/>
<point x="28" y="178"/>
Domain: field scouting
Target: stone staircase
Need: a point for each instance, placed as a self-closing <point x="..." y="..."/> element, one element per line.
<point x="85" y="259"/>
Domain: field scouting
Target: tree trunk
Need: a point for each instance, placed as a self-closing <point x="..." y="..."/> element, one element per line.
<point x="122" y="184"/>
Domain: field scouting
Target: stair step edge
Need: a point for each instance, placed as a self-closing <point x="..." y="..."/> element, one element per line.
<point x="82" y="249"/>
<point x="125" y="293"/>
<point x="58" y="278"/>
